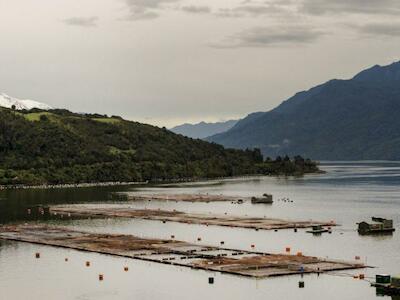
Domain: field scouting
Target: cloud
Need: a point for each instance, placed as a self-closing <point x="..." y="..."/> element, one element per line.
<point x="319" y="7"/>
<point x="251" y="9"/>
<point x="196" y="9"/>
<point x="81" y="21"/>
<point x="271" y="36"/>
<point x="145" y="15"/>
<point x="145" y="9"/>
<point x="380" y="29"/>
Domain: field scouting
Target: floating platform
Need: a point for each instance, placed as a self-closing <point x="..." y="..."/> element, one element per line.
<point x="378" y="226"/>
<point x="236" y="262"/>
<point x="387" y="285"/>
<point x="186" y="198"/>
<point x="386" y="289"/>
<point x="182" y="217"/>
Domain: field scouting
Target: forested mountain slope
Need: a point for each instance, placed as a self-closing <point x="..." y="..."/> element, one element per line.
<point x="57" y="146"/>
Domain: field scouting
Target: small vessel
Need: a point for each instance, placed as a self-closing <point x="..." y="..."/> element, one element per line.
<point x="317" y="229"/>
<point x="378" y="226"/>
<point x="266" y="199"/>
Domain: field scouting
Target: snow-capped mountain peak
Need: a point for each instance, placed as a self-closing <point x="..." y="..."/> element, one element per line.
<point x="9" y="102"/>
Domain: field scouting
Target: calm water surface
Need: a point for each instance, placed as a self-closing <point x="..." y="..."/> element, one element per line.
<point x="347" y="193"/>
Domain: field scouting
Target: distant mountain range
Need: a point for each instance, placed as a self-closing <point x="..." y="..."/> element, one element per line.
<point x="355" y="119"/>
<point x="203" y="130"/>
<point x="9" y="102"/>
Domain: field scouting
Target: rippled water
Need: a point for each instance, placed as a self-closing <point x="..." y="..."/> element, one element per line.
<point x="347" y="193"/>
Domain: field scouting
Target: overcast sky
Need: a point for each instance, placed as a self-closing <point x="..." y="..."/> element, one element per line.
<point x="169" y="61"/>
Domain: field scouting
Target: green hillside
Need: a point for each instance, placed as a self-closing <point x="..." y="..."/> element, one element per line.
<point x="57" y="146"/>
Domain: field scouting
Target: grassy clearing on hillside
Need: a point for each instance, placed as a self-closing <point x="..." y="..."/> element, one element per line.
<point x="35" y="117"/>
<point x="107" y="120"/>
<point x="116" y="151"/>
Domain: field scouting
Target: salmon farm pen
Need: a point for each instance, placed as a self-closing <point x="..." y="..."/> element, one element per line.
<point x="187" y="198"/>
<point x="182" y="217"/>
<point x="230" y="261"/>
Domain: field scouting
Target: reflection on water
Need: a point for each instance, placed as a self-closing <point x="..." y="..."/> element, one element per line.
<point x="14" y="203"/>
<point x="381" y="293"/>
<point x="348" y="193"/>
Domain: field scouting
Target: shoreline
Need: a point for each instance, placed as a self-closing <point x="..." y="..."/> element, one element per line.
<point x="69" y="185"/>
<point x="137" y="183"/>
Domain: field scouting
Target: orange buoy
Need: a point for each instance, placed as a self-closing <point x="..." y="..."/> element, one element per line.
<point x="299" y="254"/>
